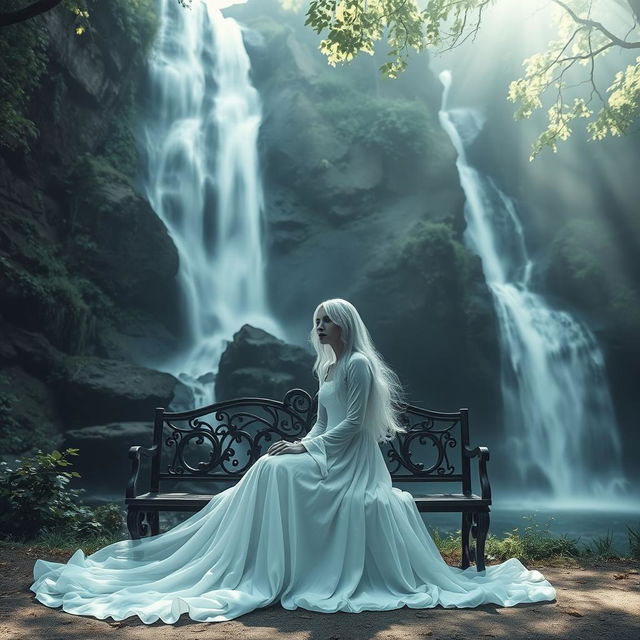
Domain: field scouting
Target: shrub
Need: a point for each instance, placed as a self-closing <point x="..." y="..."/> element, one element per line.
<point x="35" y="499"/>
<point x="534" y="542"/>
<point x="601" y="547"/>
<point x="23" y="60"/>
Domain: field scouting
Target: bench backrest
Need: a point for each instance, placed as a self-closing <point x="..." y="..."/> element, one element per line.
<point x="221" y="441"/>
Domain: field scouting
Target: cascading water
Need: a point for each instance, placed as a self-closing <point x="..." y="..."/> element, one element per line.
<point x="203" y="180"/>
<point x="558" y="411"/>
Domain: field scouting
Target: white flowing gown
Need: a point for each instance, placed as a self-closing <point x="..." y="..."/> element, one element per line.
<point x="323" y="530"/>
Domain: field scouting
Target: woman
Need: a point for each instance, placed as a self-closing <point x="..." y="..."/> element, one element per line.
<point x="315" y="524"/>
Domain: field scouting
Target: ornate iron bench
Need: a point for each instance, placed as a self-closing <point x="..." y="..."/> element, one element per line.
<point x="237" y="432"/>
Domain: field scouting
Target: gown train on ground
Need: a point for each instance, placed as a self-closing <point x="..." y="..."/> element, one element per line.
<point x="323" y="530"/>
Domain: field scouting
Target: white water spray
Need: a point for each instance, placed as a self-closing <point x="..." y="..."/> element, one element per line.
<point x="559" y="416"/>
<point x="203" y="180"/>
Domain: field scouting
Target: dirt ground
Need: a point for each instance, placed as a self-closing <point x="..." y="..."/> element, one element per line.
<point x="599" y="601"/>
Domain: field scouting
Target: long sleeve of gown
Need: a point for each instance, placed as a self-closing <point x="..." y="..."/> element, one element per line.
<point x="328" y="445"/>
<point x="320" y="425"/>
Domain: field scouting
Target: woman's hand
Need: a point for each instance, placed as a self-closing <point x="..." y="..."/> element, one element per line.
<point x="283" y="446"/>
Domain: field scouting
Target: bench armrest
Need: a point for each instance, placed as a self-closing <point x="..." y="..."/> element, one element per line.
<point x="482" y="453"/>
<point x="136" y="453"/>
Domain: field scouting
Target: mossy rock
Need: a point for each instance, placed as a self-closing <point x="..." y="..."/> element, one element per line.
<point x="432" y="313"/>
<point x="116" y="238"/>
<point x="583" y="267"/>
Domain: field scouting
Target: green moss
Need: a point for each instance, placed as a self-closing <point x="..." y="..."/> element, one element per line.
<point x="435" y="265"/>
<point x="585" y="268"/>
<point x="120" y="149"/>
<point x="137" y="19"/>
<point x="397" y="127"/>
<point x="48" y="298"/>
<point x="23" y="60"/>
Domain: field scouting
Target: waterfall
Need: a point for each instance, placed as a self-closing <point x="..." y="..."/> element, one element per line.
<point x="559" y="419"/>
<point x="199" y="136"/>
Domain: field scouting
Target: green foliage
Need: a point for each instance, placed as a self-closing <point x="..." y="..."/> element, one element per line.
<point x="36" y="503"/>
<point x="110" y="517"/>
<point x="59" y="303"/>
<point x="581" y="43"/>
<point x="35" y="497"/>
<point x="23" y="60"/>
<point x="532" y="543"/>
<point x="585" y="268"/>
<point x="65" y="541"/>
<point x="14" y="436"/>
<point x="441" y="268"/>
<point x="137" y="19"/>
<point x="120" y="149"/>
<point x="634" y="541"/>
<point x="42" y="287"/>
<point x="535" y="542"/>
<point x="355" y="26"/>
<point x="601" y="547"/>
<point x="10" y="430"/>
<point x="394" y="126"/>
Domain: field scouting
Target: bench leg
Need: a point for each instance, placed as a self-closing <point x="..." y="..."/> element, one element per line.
<point x="153" y="518"/>
<point x="135" y="523"/>
<point x="467" y="519"/>
<point x="482" y="520"/>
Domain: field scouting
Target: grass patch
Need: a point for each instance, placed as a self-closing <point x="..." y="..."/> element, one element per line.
<point x="535" y="542"/>
<point x="59" y="543"/>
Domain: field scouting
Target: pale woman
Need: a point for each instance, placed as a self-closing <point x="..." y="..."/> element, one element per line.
<point x="315" y="524"/>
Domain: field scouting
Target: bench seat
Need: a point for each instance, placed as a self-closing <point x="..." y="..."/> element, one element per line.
<point x="180" y="501"/>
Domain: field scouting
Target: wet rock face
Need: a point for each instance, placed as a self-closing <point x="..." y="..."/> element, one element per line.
<point x="124" y="246"/>
<point x="257" y="364"/>
<point x="436" y="329"/>
<point x="87" y="79"/>
<point x="45" y="392"/>
<point x="85" y="263"/>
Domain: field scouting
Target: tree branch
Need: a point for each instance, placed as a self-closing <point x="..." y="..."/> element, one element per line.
<point x="599" y="26"/>
<point x="30" y="11"/>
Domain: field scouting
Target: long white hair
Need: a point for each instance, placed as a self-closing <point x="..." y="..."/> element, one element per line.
<point x="386" y="390"/>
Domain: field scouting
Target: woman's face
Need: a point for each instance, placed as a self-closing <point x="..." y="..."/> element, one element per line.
<point x="328" y="332"/>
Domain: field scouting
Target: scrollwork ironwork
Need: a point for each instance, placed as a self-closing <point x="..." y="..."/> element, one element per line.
<point x="441" y="433"/>
<point x="231" y="431"/>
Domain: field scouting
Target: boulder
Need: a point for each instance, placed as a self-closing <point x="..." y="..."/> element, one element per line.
<point x="257" y="364"/>
<point x="103" y="457"/>
<point x="31" y="351"/>
<point x="141" y="340"/>
<point x="92" y="390"/>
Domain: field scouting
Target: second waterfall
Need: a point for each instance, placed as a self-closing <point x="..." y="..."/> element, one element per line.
<point x="199" y="136"/>
<point x="560" y="425"/>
